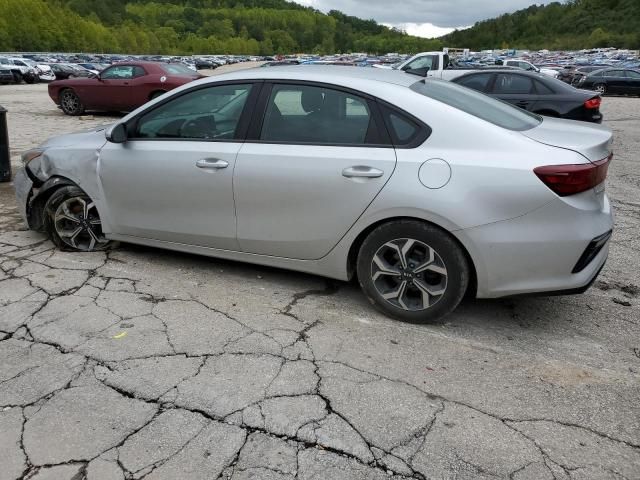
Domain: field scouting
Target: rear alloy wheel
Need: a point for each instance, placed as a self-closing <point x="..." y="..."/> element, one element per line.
<point x="601" y="88"/>
<point x="74" y="222"/>
<point x="70" y="103"/>
<point x="412" y="271"/>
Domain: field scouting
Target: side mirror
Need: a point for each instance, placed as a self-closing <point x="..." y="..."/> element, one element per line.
<point x="421" y="72"/>
<point x="117" y="133"/>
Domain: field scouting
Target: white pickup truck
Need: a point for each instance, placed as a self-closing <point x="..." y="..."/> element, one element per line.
<point x="440" y="66"/>
<point x="438" y="63"/>
<point x="516" y="62"/>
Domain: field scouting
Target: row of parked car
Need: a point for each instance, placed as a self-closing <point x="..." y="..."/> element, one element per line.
<point x="19" y="69"/>
<point x="32" y="68"/>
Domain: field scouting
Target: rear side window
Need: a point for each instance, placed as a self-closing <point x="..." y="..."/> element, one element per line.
<point x="508" y="84"/>
<point x="318" y="115"/>
<point x="479" y="82"/>
<point x="632" y="74"/>
<point x="405" y="131"/>
<point x="176" y="69"/>
<point x="542" y="89"/>
<point x="477" y="104"/>
<point x="138" y="72"/>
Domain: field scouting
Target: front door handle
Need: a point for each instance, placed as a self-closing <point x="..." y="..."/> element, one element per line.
<point x="362" y="171"/>
<point x="214" y="163"/>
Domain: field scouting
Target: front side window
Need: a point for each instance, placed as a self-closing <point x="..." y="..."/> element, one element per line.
<point x="614" y="73"/>
<point x="211" y="113"/>
<point x="477" y="104"/>
<point x="310" y="114"/>
<point x="508" y="83"/>
<point x="119" y="72"/>
<point x="428" y="61"/>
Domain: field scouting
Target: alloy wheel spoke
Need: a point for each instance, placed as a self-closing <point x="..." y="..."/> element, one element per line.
<point x="397" y="294"/>
<point x="384" y="268"/>
<point x="426" y="302"/>
<point x="430" y="289"/>
<point x="96" y="238"/>
<point x="398" y="250"/>
<point x="406" y="248"/>
<point x="423" y="266"/>
<point x="65" y="214"/>
<point x="70" y="233"/>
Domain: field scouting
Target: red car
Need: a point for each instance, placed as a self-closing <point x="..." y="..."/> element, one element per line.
<point x="122" y="87"/>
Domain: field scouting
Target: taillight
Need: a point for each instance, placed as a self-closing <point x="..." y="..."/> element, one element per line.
<point x="593" y="103"/>
<point x="571" y="179"/>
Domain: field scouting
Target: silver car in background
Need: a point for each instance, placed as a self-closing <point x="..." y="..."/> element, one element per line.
<point x="424" y="189"/>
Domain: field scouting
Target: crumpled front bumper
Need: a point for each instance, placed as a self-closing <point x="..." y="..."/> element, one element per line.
<point x="47" y="77"/>
<point x="23" y="185"/>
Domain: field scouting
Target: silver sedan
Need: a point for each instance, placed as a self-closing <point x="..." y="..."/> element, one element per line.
<point x="424" y="190"/>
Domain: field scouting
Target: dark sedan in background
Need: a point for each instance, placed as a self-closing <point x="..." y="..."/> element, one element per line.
<point x="63" y="71"/>
<point x="120" y="88"/>
<point x="612" y="80"/>
<point x="536" y="92"/>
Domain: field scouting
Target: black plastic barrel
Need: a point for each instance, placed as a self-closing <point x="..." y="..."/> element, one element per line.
<point x="5" y="156"/>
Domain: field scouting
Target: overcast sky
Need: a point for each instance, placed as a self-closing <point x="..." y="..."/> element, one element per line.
<point x="426" y="18"/>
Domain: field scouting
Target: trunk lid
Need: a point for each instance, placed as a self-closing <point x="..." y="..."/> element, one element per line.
<point x="590" y="140"/>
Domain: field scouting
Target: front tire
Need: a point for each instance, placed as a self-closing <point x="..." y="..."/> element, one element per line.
<point x="412" y="271"/>
<point x="70" y="103"/>
<point x="73" y="222"/>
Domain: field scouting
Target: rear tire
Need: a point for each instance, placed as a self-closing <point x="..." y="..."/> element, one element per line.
<point x="70" y="103"/>
<point x="412" y="271"/>
<point x="601" y="88"/>
<point x="73" y="222"/>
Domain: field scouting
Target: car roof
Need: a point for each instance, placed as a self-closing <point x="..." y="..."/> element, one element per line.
<point x="334" y="74"/>
<point x="518" y="71"/>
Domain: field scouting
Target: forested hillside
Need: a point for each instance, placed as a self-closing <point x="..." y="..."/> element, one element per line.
<point x="192" y="26"/>
<point x="576" y="24"/>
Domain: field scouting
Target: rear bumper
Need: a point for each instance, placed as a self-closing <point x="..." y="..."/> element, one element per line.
<point x="537" y="253"/>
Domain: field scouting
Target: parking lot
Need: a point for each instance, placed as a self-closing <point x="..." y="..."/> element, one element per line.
<point x="144" y="363"/>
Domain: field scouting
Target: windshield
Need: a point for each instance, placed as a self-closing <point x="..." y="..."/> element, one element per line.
<point x="478" y="104"/>
<point x="176" y="69"/>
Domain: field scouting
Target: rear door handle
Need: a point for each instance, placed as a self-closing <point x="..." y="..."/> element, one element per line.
<point x="362" y="171"/>
<point x="214" y="163"/>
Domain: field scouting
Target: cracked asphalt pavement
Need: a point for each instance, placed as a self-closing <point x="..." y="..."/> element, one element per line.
<point x="143" y="363"/>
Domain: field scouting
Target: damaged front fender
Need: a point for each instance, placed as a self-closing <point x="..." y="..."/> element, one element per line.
<point x="32" y="196"/>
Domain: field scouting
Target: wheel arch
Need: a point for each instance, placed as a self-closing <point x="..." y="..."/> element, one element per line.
<point x="357" y="243"/>
<point x="36" y="216"/>
<point x="156" y="92"/>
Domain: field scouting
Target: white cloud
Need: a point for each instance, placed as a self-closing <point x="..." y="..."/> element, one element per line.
<point x="426" y="30"/>
<point x="439" y="13"/>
